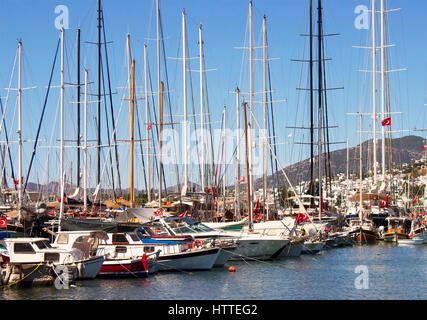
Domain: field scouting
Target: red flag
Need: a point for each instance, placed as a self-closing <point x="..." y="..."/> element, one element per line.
<point x="182" y="215"/>
<point x="149" y="127"/>
<point x="158" y="212"/>
<point x="423" y="147"/>
<point x="414" y="201"/>
<point x="386" y="122"/>
<point x="17" y="181"/>
<point x="3" y="223"/>
<point x="242" y="179"/>
<point x="300" y="218"/>
<point x="384" y="204"/>
<point x="256" y="207"/>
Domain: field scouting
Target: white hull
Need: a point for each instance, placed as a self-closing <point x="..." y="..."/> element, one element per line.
<point x="199" y="260"/>
<point x="260" y="248"/>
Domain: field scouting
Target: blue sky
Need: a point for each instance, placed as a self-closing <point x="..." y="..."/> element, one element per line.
<point x="224" y="28"/>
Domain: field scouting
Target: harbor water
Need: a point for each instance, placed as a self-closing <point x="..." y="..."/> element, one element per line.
<point x="381" y="271"/>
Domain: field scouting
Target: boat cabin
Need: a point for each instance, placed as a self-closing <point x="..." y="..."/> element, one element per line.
<point x="35" y="250"/>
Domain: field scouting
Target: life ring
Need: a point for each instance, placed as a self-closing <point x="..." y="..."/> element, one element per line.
<point x="197" y="243"/>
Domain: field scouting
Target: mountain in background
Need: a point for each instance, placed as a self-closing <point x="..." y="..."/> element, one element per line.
<point x="404" y="150"/>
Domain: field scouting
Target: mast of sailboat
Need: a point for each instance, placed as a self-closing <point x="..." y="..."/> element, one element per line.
<point x="184" y="82"/>
<point x="85" y="147"/>
<point x="160" y="145"/>
<point x="250" y="213"/>
<point x="20" y="130"/>
<point x="374" y="92"/>
<point x="361" y="178"/>
<point x="147" y="121"/>
<point x="131" y="97"/>
<point x="98" y="181"/>
<point x="61" y="204"/>
<point x="311" y="106"/>
<point x="224" y="179"/>
<point x="382" y="12"/>
<point x="264" y="145"/>
<point x="251" y="89"/>
<point x="320" y="73"/>
<point x="78" y="108"/>
<point x="202" y="111"/>
<point x="237" y="178"/>
<point x="131" y="115"/>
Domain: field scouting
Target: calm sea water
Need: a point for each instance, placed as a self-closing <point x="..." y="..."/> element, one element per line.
<point x="394" y="272"/>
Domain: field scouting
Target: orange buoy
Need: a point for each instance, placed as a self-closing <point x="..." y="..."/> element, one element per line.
<point x="232" y="269"/>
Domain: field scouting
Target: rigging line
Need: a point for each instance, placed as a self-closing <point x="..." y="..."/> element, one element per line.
<point x="273" y="128"/>
<point x="41" y="117"/>
<point x="8" y="152"/>
<point x="110" y="156"/>
<point x="169" y="105"/>
<point x="326" y="129"/>
<point x="194" y="114"/>
<point x="111" y="104"/>
<point x="155" y="119"/>
<point x="140" y="145"/>
<point x="209" y="122"/>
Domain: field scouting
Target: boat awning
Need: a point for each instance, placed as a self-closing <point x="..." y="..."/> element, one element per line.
<point x="368" y="197"/>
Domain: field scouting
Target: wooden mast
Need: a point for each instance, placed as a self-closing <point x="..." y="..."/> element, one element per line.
<point x="148" y="125"/>
<point x="78" y="108"/>
<point x="20" y="131"/>
<point x="85" y="147"/>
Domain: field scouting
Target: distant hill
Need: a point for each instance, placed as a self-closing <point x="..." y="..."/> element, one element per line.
<point x="404" y="150"/>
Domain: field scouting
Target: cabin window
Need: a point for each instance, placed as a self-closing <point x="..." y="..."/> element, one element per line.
<point x="119" y="238"/>
<point x="23" y="248"/>
<point x="120" y="249"/>
<point x="52" y="256"/>
<point x="43" y="244"/>
<point x="148" y="249"/>
<point x="134" y="237"/>
<point x="62" y="239"/>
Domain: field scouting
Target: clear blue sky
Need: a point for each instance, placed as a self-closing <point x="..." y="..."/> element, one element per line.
<point x="224" y="27"/>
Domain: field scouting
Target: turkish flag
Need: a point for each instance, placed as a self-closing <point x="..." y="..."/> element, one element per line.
<point x="242" y="179"/>
<point x="423" y="147"/>
<point x="386" y="122"/>
<point x="384" y="204"/>
<point x="149" y="127"/>
<point x="182" y="215"/>
<point x="3" y="223"/>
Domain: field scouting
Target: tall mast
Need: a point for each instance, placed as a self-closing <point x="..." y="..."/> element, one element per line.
<point x="85" y="148"/>
<point x="251" y="86"/>
<point x="160" y="145"/>
<point x="202" y="112"/>
<point x="184" y="81"/>
<point x="311" y="105"/>
<point x="78" y="108"/>
<point x="319" y="37"/>
<point x="99" y="95"/>
<point x="264" y="145"/>
<point x="383" y="87"/>
<point x="147" y="121"/>
<point x="250" y="213"/>
<point x="61" y="205"/>
<point x="224" y="180"/>
<point x="374" y="92"/>
<point x="360" y="173"/>
<point x="237" y="184"/>
<point x="131" y="116"/>
<point x="20" y="131"/>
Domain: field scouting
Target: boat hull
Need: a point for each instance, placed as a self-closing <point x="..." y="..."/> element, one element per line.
<point x="312" y="247"/>
<point x="260" y="249"/>
<point x="291" y="250"/>
<point x="201" y="259"/>
<point x="124" y="268"/>
<point x="89" y="269"/>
